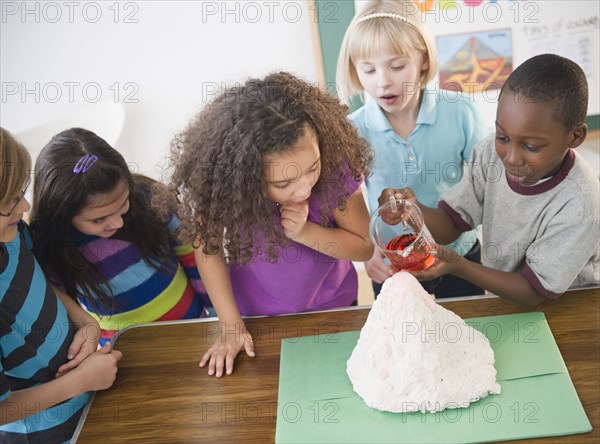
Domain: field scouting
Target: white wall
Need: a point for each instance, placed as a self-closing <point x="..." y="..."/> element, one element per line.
<point x="161" y="60"/>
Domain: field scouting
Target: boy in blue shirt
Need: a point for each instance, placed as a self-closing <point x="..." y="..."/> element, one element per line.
<point x="48" y="344"/>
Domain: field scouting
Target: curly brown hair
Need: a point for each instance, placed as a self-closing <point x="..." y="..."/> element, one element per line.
<point x="218" y="170"/>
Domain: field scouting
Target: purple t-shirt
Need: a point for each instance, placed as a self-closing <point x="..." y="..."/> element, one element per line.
<point x="302" y="278"/>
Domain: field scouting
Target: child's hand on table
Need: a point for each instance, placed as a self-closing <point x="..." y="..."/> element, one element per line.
<point x="233" y="338"/>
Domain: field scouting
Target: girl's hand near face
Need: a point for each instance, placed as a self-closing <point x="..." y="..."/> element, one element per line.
<point x="294" y="218"/>
<point x="232" y="339"/>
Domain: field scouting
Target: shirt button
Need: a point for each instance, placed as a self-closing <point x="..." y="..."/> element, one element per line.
<point x="411" y="157"/>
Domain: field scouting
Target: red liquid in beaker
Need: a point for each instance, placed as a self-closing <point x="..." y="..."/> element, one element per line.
<point x="418" y="259"/>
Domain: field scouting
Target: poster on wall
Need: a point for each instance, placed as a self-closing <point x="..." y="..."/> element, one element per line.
<point x="475" y="61"/>
<point x="574" y="39"/>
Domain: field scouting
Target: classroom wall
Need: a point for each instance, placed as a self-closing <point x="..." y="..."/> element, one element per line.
<point x="157" y="63"/>
<point x="160" y="61"/>
<point x="570" y="29"/>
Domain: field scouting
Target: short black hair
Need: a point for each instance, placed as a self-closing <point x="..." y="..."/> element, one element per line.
<point x="555" y="79"/>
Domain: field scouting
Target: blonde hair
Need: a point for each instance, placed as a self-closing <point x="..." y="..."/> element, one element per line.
<point x="16" y="166"/>
<point x="395" y="26"/>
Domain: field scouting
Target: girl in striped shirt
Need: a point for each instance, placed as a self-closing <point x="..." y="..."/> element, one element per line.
<point x="98" y="234"/>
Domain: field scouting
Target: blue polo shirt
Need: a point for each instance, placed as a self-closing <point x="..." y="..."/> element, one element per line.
<point x="430" y="160"/>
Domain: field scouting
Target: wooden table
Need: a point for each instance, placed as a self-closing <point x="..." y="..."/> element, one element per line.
<point x="161" y="395"/>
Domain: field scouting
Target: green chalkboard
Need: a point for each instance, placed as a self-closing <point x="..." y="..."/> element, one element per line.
<point x="333" y="18"/>
<point x="593" y="122"/>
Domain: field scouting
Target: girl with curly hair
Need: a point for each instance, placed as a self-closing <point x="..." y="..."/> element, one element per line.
<point x="269" y="177"/>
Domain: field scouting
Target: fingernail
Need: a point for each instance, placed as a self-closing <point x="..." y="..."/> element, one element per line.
<point x="393" y="205"/>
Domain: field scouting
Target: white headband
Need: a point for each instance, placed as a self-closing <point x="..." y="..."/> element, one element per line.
<point x="391" y="15"/>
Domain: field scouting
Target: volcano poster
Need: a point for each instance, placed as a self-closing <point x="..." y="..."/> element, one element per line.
<point x="475" y="62"/>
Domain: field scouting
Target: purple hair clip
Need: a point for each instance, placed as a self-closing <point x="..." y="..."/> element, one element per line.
<point x="85" y="163"/>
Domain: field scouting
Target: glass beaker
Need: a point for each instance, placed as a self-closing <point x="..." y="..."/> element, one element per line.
<point x="398" y="229"/>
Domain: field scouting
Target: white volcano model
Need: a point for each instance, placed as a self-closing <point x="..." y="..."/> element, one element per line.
<point x="413" y="354"/>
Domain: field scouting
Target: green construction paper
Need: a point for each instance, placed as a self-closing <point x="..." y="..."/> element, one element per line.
<point x="317" y="403"/>
<point x="309" y="352"/>
<point x="523" y="345"/>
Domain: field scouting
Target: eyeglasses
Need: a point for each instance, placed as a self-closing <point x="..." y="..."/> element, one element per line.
<point x="17" y="199"/>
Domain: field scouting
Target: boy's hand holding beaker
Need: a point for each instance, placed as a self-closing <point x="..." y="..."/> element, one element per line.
<point x="398" y="229"/>
<point x="394" y="217"/>
<point x="446" y="262"/>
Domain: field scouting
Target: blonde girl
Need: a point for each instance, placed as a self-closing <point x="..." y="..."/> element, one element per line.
<point x="421" y="136"/>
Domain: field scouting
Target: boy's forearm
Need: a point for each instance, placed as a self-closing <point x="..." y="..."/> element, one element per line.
<point x="509" y="285"/>
<point x="26" y="402"/>
<point x="440" y="225"/>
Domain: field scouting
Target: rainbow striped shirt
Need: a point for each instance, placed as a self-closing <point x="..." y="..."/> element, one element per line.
<point x="142" y="293"/>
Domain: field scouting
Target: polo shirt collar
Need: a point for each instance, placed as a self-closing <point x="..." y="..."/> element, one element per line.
<point x="427" y="112"/>
<point x="377" y="121"/>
